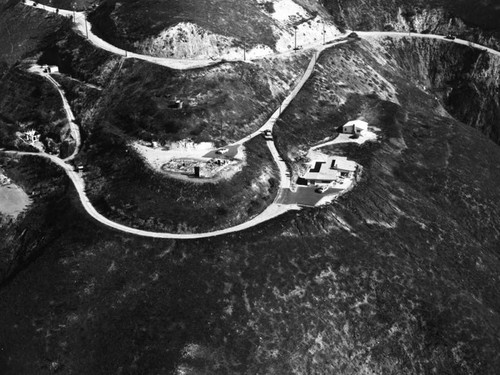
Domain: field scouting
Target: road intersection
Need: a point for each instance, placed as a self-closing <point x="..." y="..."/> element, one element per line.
<point x="278" y="207"/>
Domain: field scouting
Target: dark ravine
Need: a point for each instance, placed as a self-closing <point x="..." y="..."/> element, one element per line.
<point x="399" y="276"/>
<point x="465" y="79"/>
<point x="24" y="239"/>
<point x="478" y="22"/>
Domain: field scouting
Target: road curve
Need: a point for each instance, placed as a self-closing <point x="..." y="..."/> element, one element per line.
<point x="73" y="127"/>
<point x="84" y="27"/>
<point x="426" y="36"/>
<point x="269" y="124"/>
<point x="273" y="210"/>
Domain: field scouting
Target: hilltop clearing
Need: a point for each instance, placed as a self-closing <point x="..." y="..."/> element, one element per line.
<point x="400" y="275"/>
<point x="212" y="28"/>
<point x="408" y="259"/>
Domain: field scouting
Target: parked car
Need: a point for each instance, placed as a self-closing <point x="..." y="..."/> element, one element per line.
<point x="321" y="189"/>
<point x="268" y="135"/>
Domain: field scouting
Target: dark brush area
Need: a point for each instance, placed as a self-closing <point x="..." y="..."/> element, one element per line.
<point x="125" y="190"/>
<point x="398" y="276"/>
<point x="125" y="22"/>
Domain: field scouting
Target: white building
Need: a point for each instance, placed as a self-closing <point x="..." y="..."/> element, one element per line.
<point x="329" y="170"/>
<point x="320" y="173"/>
<point x="50" y="69"/>
<point x="346" y="168"/>
<point x="355" y="127"/>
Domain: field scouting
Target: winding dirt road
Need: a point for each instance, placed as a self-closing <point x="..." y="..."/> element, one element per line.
<point x="273" y="210"/>
<point x="84" y="28"/>
<point x="367" y="34"/>
<point x="269" y="213"/>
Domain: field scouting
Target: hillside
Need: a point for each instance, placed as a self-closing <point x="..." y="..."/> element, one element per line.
<point x="23" y="30"/>
<point x="209" y="29"/>
<point x="477" y="21"/>
<point x="400" y="275"/>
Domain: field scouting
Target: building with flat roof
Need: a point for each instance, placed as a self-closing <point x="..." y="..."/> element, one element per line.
<point x="50" y="69"/>
<point x="330" y="169"/>
<point x="345" y="167"/>
<point x="355" y="127"/>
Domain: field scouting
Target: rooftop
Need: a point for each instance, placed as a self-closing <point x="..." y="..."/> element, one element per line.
<point x="341" y="163"/>
<point x="328" y="169"/>
<point x="321" y="171"/>
<point x="358" y="124"/>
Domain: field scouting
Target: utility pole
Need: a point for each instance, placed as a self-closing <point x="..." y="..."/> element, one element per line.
<point x="86" y="27"/>
<point x="244" y="37"/>
<point x="295" y="37"/>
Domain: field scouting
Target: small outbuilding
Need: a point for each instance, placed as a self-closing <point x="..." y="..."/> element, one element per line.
<point x="355" y="127"/>
<point x="50" y="69"/>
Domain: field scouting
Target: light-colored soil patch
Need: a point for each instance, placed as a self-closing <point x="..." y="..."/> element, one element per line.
<point x="310" y="29"/>
<point x="365" y="136"/>
<point x="13" y="199"/>
<point x="187" y="40"/>
<point x="309" y="195"/>
<point x="179" y="160"/>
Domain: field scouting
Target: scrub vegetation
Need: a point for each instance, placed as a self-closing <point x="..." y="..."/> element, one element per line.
<point x="398" y="276"/>
<point x="124" y="190"/>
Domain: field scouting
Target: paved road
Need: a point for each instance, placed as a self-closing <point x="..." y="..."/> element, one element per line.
<point x="273" y="210"/>
<point x="285" y="174"/>
<point x="268" y="214"/>
<point x="74" y="129"/>
<point x="364" y="34"/>
<point x="276" y="208"/>
<point x="84" y="27"/>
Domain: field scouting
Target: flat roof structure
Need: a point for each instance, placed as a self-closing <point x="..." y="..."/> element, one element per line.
<point x="342" y="164"/>
<point x="328" y="170"/>
<point x="321" y="171"/>
<point x="355" y="126"/>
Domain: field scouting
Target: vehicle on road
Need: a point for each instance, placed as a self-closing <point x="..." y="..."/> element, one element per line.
<point x="268" y="135"/>
<point x="449" y="37"/>
<point x="222" y="151"/>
